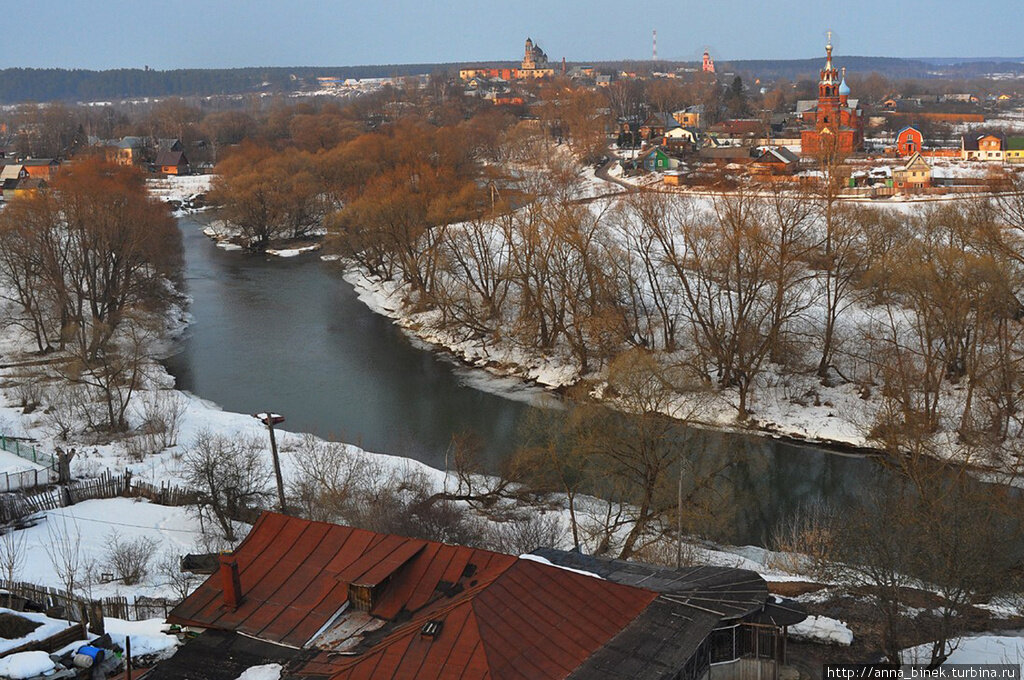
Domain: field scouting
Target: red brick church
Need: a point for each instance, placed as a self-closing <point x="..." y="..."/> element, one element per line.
<point x="838" y="121"/>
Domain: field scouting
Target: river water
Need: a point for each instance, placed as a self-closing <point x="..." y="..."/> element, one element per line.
<point x="290" y="336"/>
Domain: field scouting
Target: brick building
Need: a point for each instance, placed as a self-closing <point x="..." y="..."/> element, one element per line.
<point x="838" y="122"/>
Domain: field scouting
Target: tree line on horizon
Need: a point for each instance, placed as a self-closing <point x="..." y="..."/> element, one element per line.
<point x="24" y="84"/>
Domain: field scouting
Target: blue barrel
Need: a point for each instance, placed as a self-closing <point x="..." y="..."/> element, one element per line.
<point x="88" y="656"/>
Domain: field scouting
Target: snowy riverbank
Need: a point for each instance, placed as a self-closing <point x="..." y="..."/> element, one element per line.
<point x="833" y="417"/>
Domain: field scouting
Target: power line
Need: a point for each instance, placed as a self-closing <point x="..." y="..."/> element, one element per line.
<point x="118" y="524"/>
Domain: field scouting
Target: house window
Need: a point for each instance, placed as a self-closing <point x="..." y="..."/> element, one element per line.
<point x="723" y="645"/>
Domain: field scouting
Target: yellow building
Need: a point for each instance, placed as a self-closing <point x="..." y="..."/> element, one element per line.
<point x="1014" y="150"/>
<point x="534" y="65"/>
<point x="689" y="117"/>
<point x="535" y="62"/>
<point x="915" y="174"/>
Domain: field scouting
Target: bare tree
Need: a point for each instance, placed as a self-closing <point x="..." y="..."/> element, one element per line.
<point x="725" y="268"/>
<point x="12" y="557"/>
<point x="330" y="483"/>
<point x="953" y="541"/>
<point x="182" y="582"/>
<point x="64" y="549"/>
<point x="231" y="476"/>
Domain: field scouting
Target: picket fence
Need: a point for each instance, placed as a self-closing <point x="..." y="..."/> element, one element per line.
<point x="14" y="507"/>
<point x="71" y="608"/>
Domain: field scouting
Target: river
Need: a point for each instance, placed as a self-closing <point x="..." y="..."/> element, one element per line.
<point x="290" y="335"/>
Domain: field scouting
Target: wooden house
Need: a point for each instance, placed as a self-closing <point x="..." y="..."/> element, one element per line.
<point x="982" y="147"/>
<point x="128" y="151"/>
<point x="775" y="161"/>
<point x="41" y="168"/>
<point x="12" y="171"/>
<point x="656" y="125"/>
<point x="171" y="163"/>
<point x="682" y="139"/>
<point x="725" y="155"/>
<point x="656" y="159"/>
<point x="738" y="129"/>
<point x="26" y="186"/>
<point x="333" y="602"/>
<point x="914" y="174"/>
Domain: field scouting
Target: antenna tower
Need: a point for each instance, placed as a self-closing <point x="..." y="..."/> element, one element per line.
<point x="654" y="45"/>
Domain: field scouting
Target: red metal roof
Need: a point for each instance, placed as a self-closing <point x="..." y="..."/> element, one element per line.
<point x="502" y="617"/>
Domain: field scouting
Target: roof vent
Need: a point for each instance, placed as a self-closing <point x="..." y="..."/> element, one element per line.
<point x="432" y="628"/>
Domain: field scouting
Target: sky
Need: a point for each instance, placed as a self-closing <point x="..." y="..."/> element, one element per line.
<point x="236" y="33"/>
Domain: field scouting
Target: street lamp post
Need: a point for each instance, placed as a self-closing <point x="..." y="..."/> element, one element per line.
<point x="271" y="419"/>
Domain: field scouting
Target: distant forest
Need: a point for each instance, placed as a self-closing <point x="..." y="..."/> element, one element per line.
<point x="38" y="85"/>
<point x="889" y="67"/>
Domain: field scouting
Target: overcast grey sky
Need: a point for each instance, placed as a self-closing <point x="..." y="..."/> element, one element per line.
<point x="231" y="33"/>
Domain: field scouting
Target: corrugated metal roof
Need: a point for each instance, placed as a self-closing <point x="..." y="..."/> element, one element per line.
<point x="532" y="622"/>
<point x="502" y="617"/>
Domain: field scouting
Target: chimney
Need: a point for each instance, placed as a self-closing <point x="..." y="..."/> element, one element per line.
<point x="230" y="581"/>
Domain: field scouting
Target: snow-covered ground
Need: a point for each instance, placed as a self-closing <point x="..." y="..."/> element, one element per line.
<point x="1004" y="647"/>
<point x="178" y="189"/>
<point x="148" y="639"/>
<point x="270" y="671"/>
<point x="12" y="463"/>
<point x="25" y="665"/>
<point x="94" y="523"/>
<point x="822" y="629"/>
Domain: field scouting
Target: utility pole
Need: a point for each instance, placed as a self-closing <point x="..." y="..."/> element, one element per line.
<point x="270" y="419"/>
<point x="679" y="522"/>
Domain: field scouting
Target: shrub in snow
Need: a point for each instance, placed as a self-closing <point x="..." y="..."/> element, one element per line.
<point x="129" y="559"/>
<point x="169" y="568"/>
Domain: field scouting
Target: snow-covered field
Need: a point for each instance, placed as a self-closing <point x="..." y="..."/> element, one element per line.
<point x="12" y="464"/>
<point x="94" y="524"/>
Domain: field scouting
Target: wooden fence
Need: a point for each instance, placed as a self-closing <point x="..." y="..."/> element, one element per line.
<point x="54" y="642"/>
<point x="14" y="507"/>
<point x="62" y="605"/>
